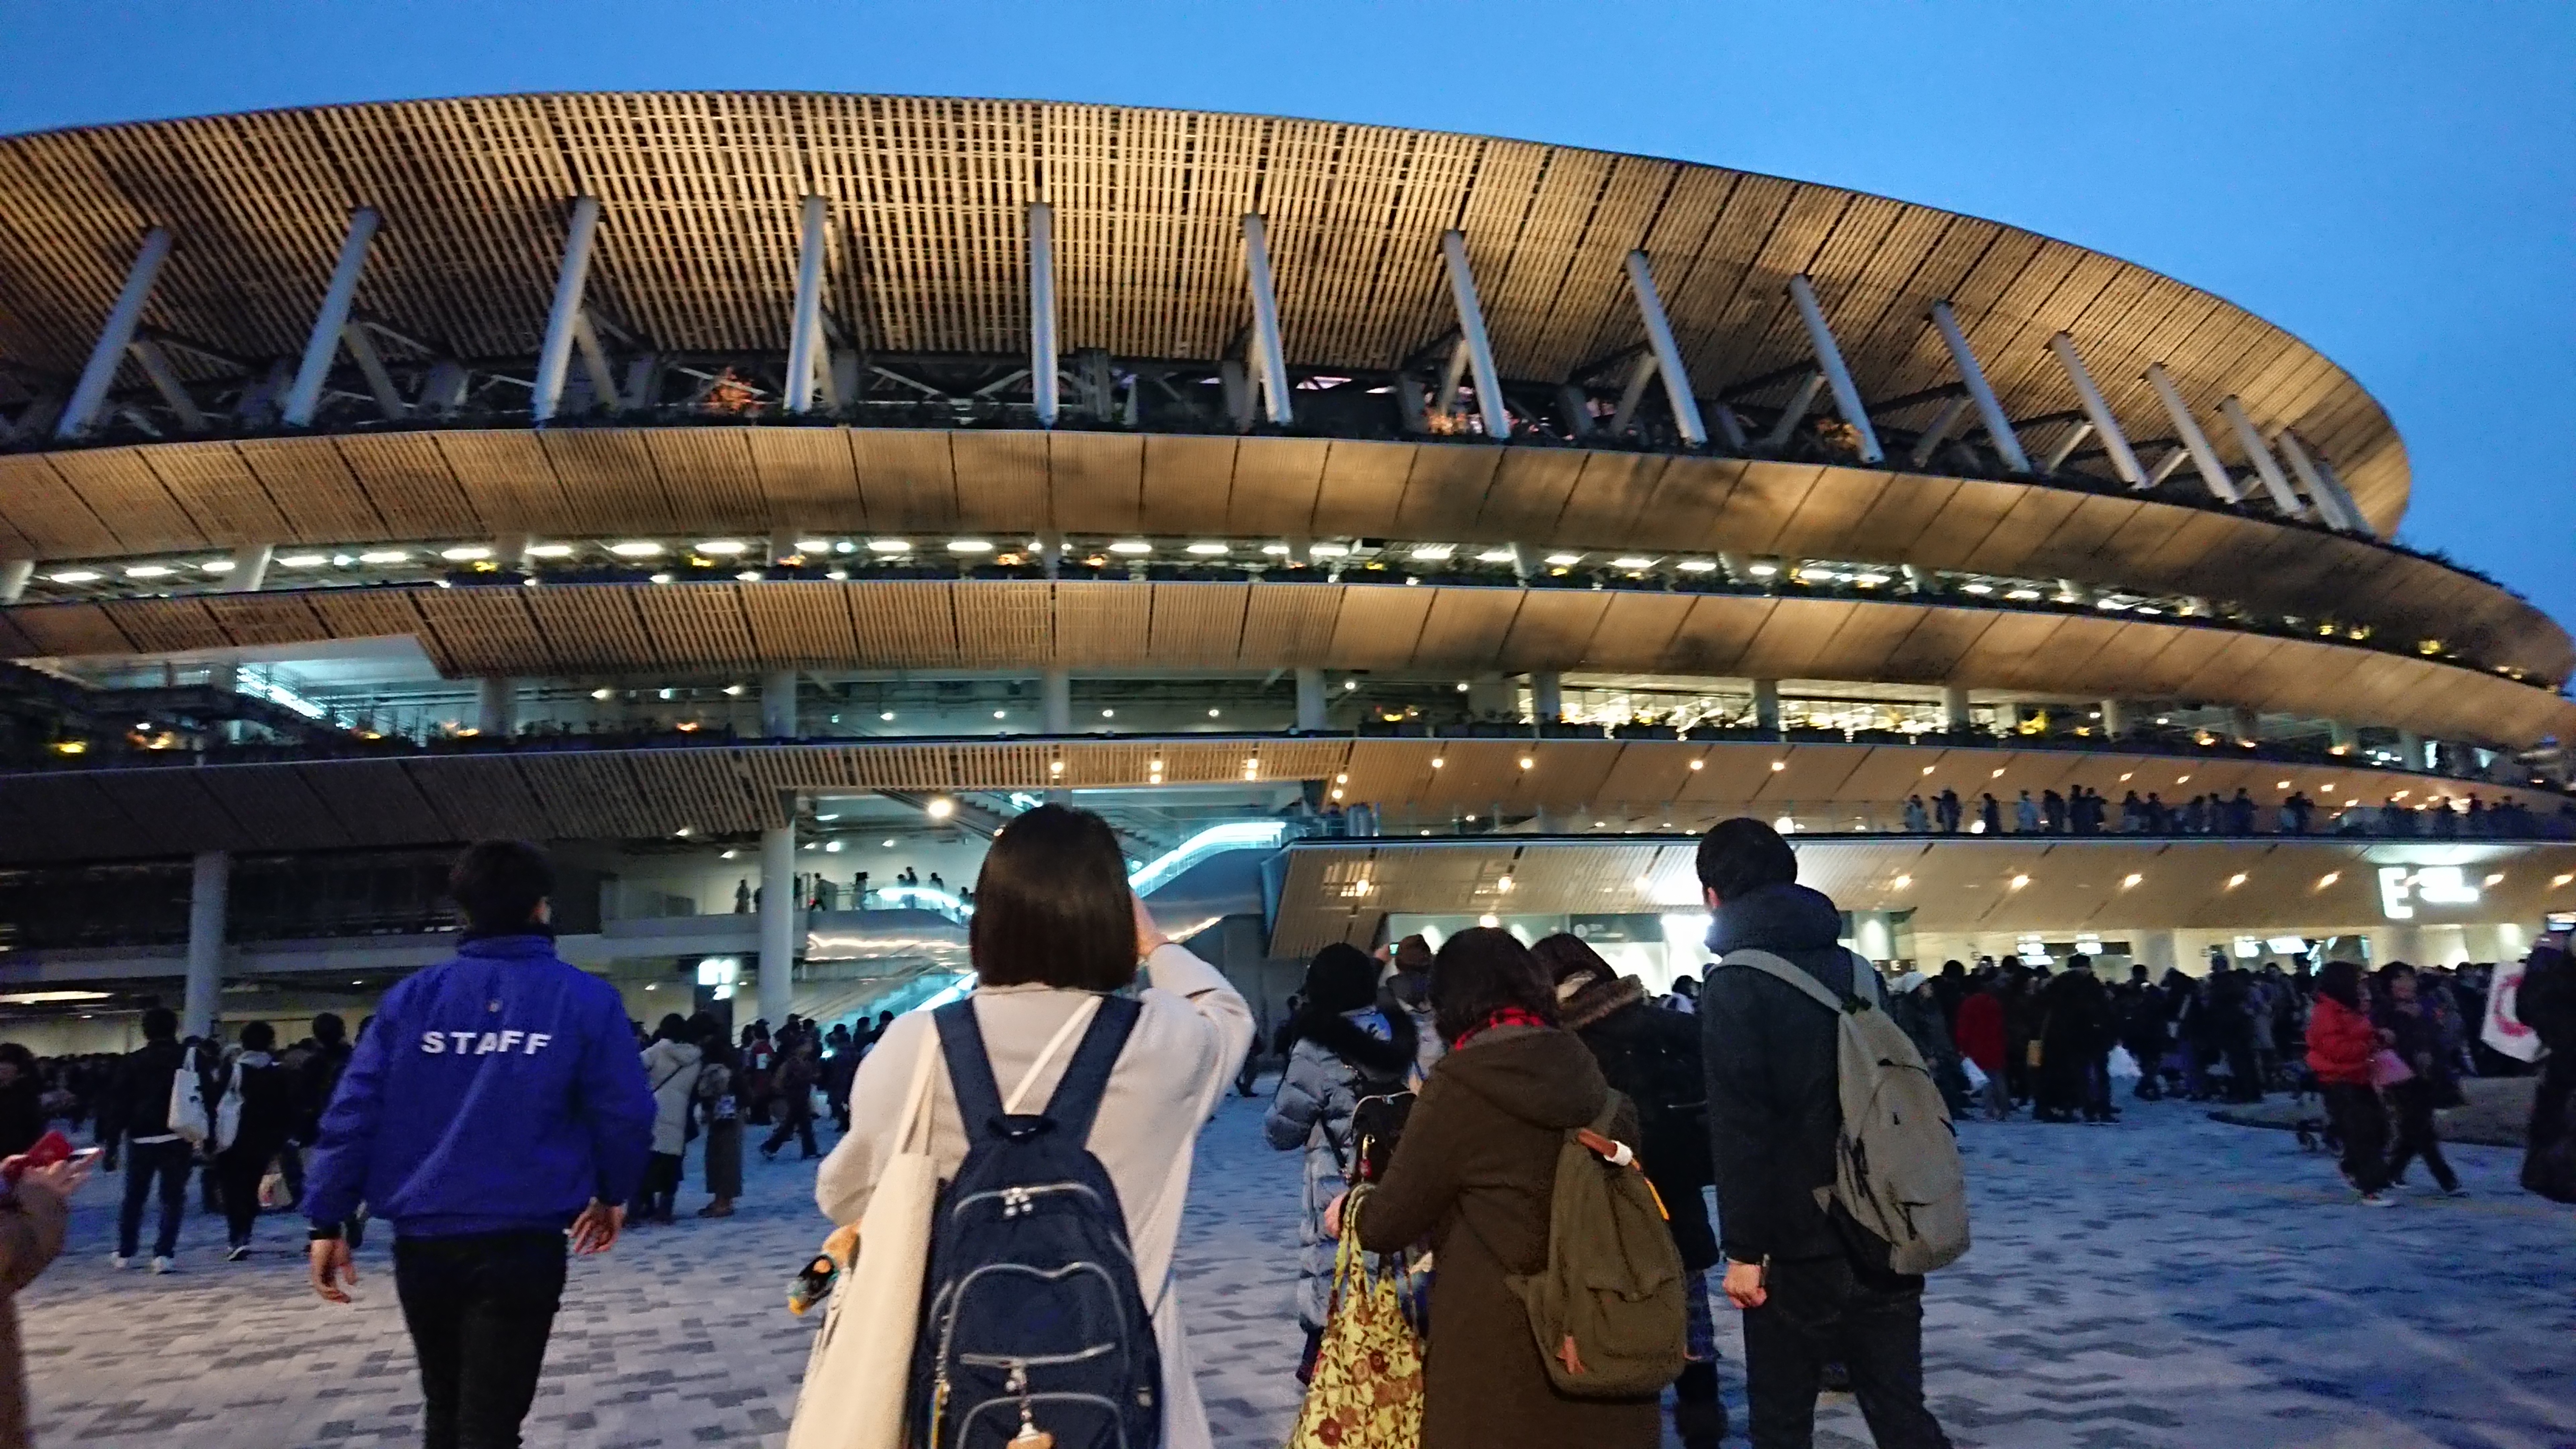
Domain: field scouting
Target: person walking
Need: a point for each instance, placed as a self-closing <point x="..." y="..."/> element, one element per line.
<point x="1810" y="1286"/>
<point x="1652" y="1057"/>
<point x="798" y="1071"/>
<point x="497" y="1103"/>
<point x="1346" y="1046"/>
<point x="1980" y="1035"/>
<point x="153" y="1153"/>
<point x="1056" y="928"/>
<point x="2417" y="1039"/>
<point x="2341" y="1042"/>
<point x="1914" y="1008"/>
<point x="671" y="1066"/>
<point x="268" y="1114"/>
<point x="1475" y="1174"/>
<point x="717" y="1080"/>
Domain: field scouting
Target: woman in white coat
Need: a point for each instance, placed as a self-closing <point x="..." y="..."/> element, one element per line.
<point x="1055" y="926"/>
<point x="671" y="1068"/>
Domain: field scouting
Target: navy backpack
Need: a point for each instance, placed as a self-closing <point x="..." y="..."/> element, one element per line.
<point x="1033" y="1322"/>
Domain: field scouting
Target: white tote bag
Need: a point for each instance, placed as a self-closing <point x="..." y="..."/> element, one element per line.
<point x="857" y="1376"/>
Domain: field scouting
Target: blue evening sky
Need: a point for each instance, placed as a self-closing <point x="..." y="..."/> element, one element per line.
<point x="2395" y="183"/>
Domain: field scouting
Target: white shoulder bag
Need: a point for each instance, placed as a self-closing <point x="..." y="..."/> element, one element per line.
<point x="859" y="1373"/>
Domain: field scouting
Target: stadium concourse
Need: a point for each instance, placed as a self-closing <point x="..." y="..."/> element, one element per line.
<point x="2166" y="1285"/>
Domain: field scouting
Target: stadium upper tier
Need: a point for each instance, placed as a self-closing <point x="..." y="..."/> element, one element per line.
<point x="591" y="316"/>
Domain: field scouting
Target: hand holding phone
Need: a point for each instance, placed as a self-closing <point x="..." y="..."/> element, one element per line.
<point x="49" y="1149"/>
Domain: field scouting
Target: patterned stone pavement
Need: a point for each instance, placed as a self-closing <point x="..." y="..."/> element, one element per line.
<point x="2168" y="1283"/>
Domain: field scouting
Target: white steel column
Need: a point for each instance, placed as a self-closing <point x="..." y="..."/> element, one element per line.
<point x="2343" y="496"/>
<point x="1944" y="423"/>
<point x="1956" y="716"/>
<point x="306" y="395"/>
<point x="1990" y="410"/>
<point x="1055" y="701"/>
<point x="1668" y="353"/>
<point x="109" y="353"/>
<point x="2328" y="507"/>
<point x="2124" y="459"/>
<point x="2194" y="441"/>
<point x="1310" y="699"/>
<point x="2115" y="718"/>
<point x="1795" y="413"/>
<point x="778" y="705"/>
<point x="206" y="893"/>
<point x="805" y="327"/>
<point x="250" y="568"/>
<point x="1042" y="378"/>
<point x="1471" y="332"/>
<point x="554" y="360"/>
<point x="781" y="920"/>
<point x="2265" y="466"/>
<point x="14" y="575"/>
<point x="1829" y="356"/>
<point x="155" y="362"/>
<point x="1268" y="349"/>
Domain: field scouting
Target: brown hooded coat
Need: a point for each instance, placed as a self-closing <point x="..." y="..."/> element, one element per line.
<point x="1475" y="1173"/>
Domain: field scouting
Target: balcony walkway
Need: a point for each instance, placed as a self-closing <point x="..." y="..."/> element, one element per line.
<point x="2168" y="1283"/>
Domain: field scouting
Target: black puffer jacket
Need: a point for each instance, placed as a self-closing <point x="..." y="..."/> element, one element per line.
<point x="1774" y="1108"/>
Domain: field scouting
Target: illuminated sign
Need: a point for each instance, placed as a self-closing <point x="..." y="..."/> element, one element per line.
<point x="2401" y="888"/>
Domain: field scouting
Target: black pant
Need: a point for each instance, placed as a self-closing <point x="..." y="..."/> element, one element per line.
<point x="145" y="1161"/>
<point x="1828" y="1309"/>
<point x="2363" y="1126"/>
<point x="237" y="1174"/>
<point x="796" y="1120"/>
<point x="480" y="1309"/>
<point x="2413" y="1102"/>
<point x="661" y="1186"/>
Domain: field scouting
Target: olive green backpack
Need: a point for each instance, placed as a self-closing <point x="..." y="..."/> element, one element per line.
<point x="1608" y="1308"/>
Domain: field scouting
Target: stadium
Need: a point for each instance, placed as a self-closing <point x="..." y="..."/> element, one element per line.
<point x="759" y="498"/>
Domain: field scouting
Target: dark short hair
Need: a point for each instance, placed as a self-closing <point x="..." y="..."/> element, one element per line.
<point x="160" y="1023"/>
<point x="1341" y="978"/>
<point x="329" y="1029"/>
<point x="258" y="1036"/>
<point x="1481" y="971"/>
<point x="1564" y="956"/>
<point x="1413" y="954"/>
<point x="1740" y="856"/>
<point x="1052" y="905"/>
<point x="498" y="885"/>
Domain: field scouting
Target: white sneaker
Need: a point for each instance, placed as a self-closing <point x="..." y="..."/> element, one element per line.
<point x="161" y="1265"/>
<point x="118" y="1260"/>
<point x="2377" y="1199"/>
<point x="239" y="1252"/>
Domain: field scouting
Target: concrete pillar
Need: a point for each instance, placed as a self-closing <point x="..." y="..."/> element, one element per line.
<point x="250" y="568"/>
<point x="1547" y="696"/>
<point x="2115" y="718"/>
<point x="206" y="901"/>
<point x="782" y="921"/>
<point x="778" y="705"/>
<point x="1956" y="717"/>
<point x="1766" y="704"/>
<point x="13" y="579"/>
<point x="1310" y="700"/>
<point x="1055" y="701"/>
<point x="2158" y="951"/>
<point x="496" y="707"/>
<point x="2345" y="736"/>
<point x="2244" y="723"/>
<point x="2411" y="746"/>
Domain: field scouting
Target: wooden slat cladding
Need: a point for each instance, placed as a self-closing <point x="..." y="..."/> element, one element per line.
<point x="612" y="482"/>
<point x="958" y="625"/>
<point x="927" y="246"/>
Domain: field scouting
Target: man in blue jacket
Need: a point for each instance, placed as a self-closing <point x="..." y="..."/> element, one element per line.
<point x="496" y="1110"/>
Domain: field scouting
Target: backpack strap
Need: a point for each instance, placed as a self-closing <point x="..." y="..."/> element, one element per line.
<point x="1086" y="1077"/>
<point x="1782" y="969"/>
<point x="970" y="1071"/>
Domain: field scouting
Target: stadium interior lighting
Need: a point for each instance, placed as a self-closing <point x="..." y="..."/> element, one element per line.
<point x="636" y="548"/>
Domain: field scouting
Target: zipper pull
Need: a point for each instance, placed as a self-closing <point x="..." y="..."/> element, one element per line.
<point x="1030" y="1435"/>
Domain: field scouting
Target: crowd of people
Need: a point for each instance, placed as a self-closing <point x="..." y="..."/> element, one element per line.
<point x="502" y="1113"/>
<point x="2082" y="810"/>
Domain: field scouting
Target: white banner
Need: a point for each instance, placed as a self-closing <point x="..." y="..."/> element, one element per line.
<point x="2503" y="1029"/>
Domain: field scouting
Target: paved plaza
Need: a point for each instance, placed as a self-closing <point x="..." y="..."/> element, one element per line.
<point x="2168" y="1282"/>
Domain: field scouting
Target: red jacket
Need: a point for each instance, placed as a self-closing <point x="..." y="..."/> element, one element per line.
<point x="2340" y="1043"/>
<point x="1980" y="1032"/>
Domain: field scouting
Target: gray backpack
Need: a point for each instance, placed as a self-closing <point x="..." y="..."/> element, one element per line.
<point x="1896" y="1164"/>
